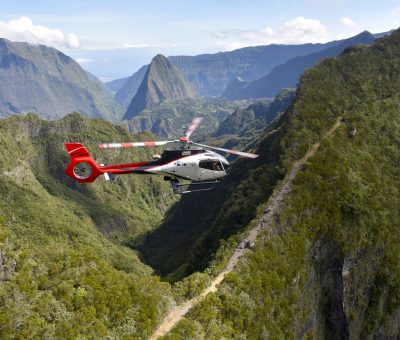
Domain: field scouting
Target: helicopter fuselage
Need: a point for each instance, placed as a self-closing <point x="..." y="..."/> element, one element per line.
<point x="193" y="164"/>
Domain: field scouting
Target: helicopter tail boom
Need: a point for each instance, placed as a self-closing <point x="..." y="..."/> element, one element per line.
<point x="84" y="168"/>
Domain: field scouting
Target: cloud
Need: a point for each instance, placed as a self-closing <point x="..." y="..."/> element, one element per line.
<point x="349" y="23"/>
<point x="295" y="31"/>
<point x="124" y="46"/>
<point x="23" y="29"/>
<point x="396" y="11"/>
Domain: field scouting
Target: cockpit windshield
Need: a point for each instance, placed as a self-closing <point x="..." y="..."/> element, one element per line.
<point x="227" y="167"/>
<point x="211" y="164"/>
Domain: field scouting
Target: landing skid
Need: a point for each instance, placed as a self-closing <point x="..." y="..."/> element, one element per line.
<point x="178" y="188"/>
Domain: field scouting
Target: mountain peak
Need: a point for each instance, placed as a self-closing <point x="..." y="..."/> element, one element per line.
<point x="159" y="57"/>
<point x="161" y="81"/>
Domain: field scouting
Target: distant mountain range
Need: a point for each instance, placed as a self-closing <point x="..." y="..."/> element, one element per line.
<point x="161" y="81"/>
<point x="41" y="79"/>
<point x="211" y="74"/>
<point x="288" y="73"/>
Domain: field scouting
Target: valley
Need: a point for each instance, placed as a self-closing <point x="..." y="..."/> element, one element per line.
<point x="301" y="242"/>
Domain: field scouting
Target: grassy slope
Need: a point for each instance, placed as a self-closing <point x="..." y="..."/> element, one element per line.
<point x="329" y="266"/>
<point x="60" y="276"/>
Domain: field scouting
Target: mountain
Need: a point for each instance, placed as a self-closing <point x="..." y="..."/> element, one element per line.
<point x="256" y="116"/>
<point x="126" y="92"/>
<point x="115" y="85"/>
<point x="162" y="81"/>
<point x="210" y="74"/>
<point x="64" y="271"/>
<point x="234" y="87"/>
<point x="170" y="118"/>
<point x="36" y="78"/>
<point x="326" y="263"/>
<point x="288" y="73"/>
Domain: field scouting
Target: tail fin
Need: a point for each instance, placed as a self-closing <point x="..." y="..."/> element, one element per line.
<point x="82" y="167"/>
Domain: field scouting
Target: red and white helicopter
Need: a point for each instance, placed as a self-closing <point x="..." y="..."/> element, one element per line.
<point x="181" y="159"/>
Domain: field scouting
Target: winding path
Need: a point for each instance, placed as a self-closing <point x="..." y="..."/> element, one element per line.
<point x="177" y="313"/>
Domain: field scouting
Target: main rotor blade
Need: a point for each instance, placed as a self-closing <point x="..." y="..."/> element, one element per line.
<point x="235" y="152"/>
<point x="130" y="145"/>
<point x="193" y="126"/>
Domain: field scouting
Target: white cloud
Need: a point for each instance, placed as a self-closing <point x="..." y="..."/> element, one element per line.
<point x="84" y="60"/>
<point x="349" y="23"/>
<point x="396" y="11"/>
<point x="23" y="29"/>
<point x="295" y="31"/>
<point x="111" y="47"/>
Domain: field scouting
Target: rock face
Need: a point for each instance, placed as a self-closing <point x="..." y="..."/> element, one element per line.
<point x="288" y="73"/>
<point x="40" y="79"/>
<point x="161" y="81"/>
<point x="125" y="94"/>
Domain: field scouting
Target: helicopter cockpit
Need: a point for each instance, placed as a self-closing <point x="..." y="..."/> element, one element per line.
<point x="211" y="164"/>
<point x="216" y="164"/>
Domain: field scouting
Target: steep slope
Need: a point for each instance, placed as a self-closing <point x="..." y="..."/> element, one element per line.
<point x="36" y="78"/>
<point x="63" y="270"/>
<point x="162" y="81"/>
<point x="328" y="265"/>
<point x="211" y="73"/>
<point x="288" y="73"/>
<point x="115" y="85"/>
<point x="125" y="94"/>
<point x="256" y="116"/>
<point x="170" y="118"/>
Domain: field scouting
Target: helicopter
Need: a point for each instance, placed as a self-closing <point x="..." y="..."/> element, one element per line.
<point x="182" y="159"/>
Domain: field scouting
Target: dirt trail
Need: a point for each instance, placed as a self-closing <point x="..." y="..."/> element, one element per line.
<point x="177" y="313"/>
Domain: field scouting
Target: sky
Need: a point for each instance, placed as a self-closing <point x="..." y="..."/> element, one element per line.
<point x="113" y="39"/>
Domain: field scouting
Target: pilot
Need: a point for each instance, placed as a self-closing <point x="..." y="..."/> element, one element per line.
<point x="217" y="166"/>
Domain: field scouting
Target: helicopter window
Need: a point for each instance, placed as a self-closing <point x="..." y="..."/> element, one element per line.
<point x="214" y="165"/>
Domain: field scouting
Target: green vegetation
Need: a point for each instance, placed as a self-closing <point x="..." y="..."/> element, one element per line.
<point x="243" y="127"/>
<point x="171" y="118"/>
<point x="60" y="276"/>
<point x="328" y="267"/>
